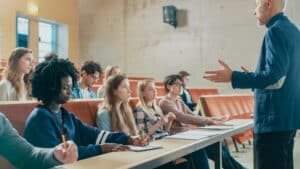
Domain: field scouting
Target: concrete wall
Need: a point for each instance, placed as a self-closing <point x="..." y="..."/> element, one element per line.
<point x="64" y="12"/>
<point x="131" y="33"/>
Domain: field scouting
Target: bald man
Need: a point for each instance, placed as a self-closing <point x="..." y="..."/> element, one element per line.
<point x="276" y="85"/>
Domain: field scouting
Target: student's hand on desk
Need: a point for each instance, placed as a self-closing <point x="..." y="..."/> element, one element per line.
<point x="66" y="154"/>
<point x="113" y="147"/>
<point x="215" y="120"/>
<point x="222" y="119"/>
<point x="141" y="140"/>
<point x="218" y="76"/>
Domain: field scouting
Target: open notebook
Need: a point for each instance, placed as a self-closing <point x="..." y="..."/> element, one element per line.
<point x="145" y="148"/>
<point x="191" y="135"/>
<point x="217" y="127"/>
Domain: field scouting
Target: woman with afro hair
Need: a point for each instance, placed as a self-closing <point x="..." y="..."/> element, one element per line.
<point x="52" y="84"/>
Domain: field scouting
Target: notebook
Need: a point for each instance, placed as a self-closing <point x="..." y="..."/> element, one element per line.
<point x="217" y="127"/>
<point x="191" y="135"/>
<point x="145" y="148"/>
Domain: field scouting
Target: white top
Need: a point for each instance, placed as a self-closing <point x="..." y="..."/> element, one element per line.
<point x="85" y="93"/>
<point x="8" y="93"/>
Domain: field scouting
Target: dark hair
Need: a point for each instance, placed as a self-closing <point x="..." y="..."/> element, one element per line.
<point x="184" y="73"/>
<point x="169" y="80"/>
<point x="90" y="67"/>
<point x="50" y="56"/>
<point x="46" y="79"/>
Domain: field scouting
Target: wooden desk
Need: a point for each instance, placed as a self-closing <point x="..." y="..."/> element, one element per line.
<point x="172" y="149"/>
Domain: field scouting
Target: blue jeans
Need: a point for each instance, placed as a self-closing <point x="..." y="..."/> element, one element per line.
<point x="274" y="150"/>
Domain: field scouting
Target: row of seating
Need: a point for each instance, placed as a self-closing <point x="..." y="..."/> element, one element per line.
<point x="86" y="110"/>
<point x="18" y="112"/>
<point x="233" y="107"/>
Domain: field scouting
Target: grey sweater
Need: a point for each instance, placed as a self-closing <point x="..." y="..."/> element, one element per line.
<point x="19" y="152"/>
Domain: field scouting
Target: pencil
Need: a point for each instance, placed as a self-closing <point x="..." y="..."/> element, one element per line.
<point x="64" y="141"/>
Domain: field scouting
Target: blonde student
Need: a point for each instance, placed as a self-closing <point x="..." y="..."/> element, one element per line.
<point x="148" y="115"/>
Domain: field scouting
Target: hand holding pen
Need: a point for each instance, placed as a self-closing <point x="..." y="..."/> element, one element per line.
<point x="141" y="140"/>
<point x="66" y="155"/>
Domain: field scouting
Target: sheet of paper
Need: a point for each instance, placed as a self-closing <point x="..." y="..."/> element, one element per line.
<point x="145" y="148"/>
<point x="215" y="127"/>
<point x="236" y="122"/>
<point x="192" y="135"/>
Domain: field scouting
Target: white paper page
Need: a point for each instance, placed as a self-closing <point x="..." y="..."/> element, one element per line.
<point x="192" y="135"/>
<point x="145" y="148"/>
<point x="237" y="122"/>
<point x="217" y="127"/>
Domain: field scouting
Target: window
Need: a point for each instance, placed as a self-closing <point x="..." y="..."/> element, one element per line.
<point x="22" y="32"/>
<point x="47" y="39"/>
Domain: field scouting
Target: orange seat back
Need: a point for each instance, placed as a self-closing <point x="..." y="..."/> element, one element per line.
<point x="231" y="106"/>
<point x="133" y="87"/>
<point x="197" y="92"/>
<point x="160" y="91"/>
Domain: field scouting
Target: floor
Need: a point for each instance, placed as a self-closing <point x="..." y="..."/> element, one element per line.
<point x="245" y="155"/>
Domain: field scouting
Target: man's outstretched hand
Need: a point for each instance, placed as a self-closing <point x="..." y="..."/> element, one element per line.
<point x="219" y="76"/>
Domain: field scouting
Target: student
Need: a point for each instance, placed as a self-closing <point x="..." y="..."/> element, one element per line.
<point x="149" y="119"/>
<point x="23" y="155"/>
<point x="89" y="75"/>
<point x="184" y="116"/>
<point x="186" y="96"/>
<point x="109" y="71"/>
<point x="16" y="84"/>
<point x="116" y="114"/>
<point x="52" y="84"/>
<point x="148" y="115"/>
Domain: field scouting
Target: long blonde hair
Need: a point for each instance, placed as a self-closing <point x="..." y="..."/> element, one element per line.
<point x="11" y="72"/>
<point x="123" y="120"/>
<point x="142" y="102"/>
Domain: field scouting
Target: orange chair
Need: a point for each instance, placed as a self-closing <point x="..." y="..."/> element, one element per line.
<point x="232" y="106"/>
<point x="159" y="84"/>
<point x="133" y="87"/>
<point x="160" y="91"/>
<point x="133" y="101"/>
<point x="140" y="78"/>
<point x="197" y="92"/>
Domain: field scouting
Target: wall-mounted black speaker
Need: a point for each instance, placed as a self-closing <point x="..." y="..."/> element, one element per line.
<point x="169" y="13"/>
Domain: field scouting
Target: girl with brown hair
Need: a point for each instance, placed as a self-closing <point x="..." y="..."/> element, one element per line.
<point x="16" y="83"/>
<point x="116" y="114"/>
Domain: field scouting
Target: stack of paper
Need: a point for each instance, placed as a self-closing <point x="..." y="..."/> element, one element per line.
<point x="192" y="135"/>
